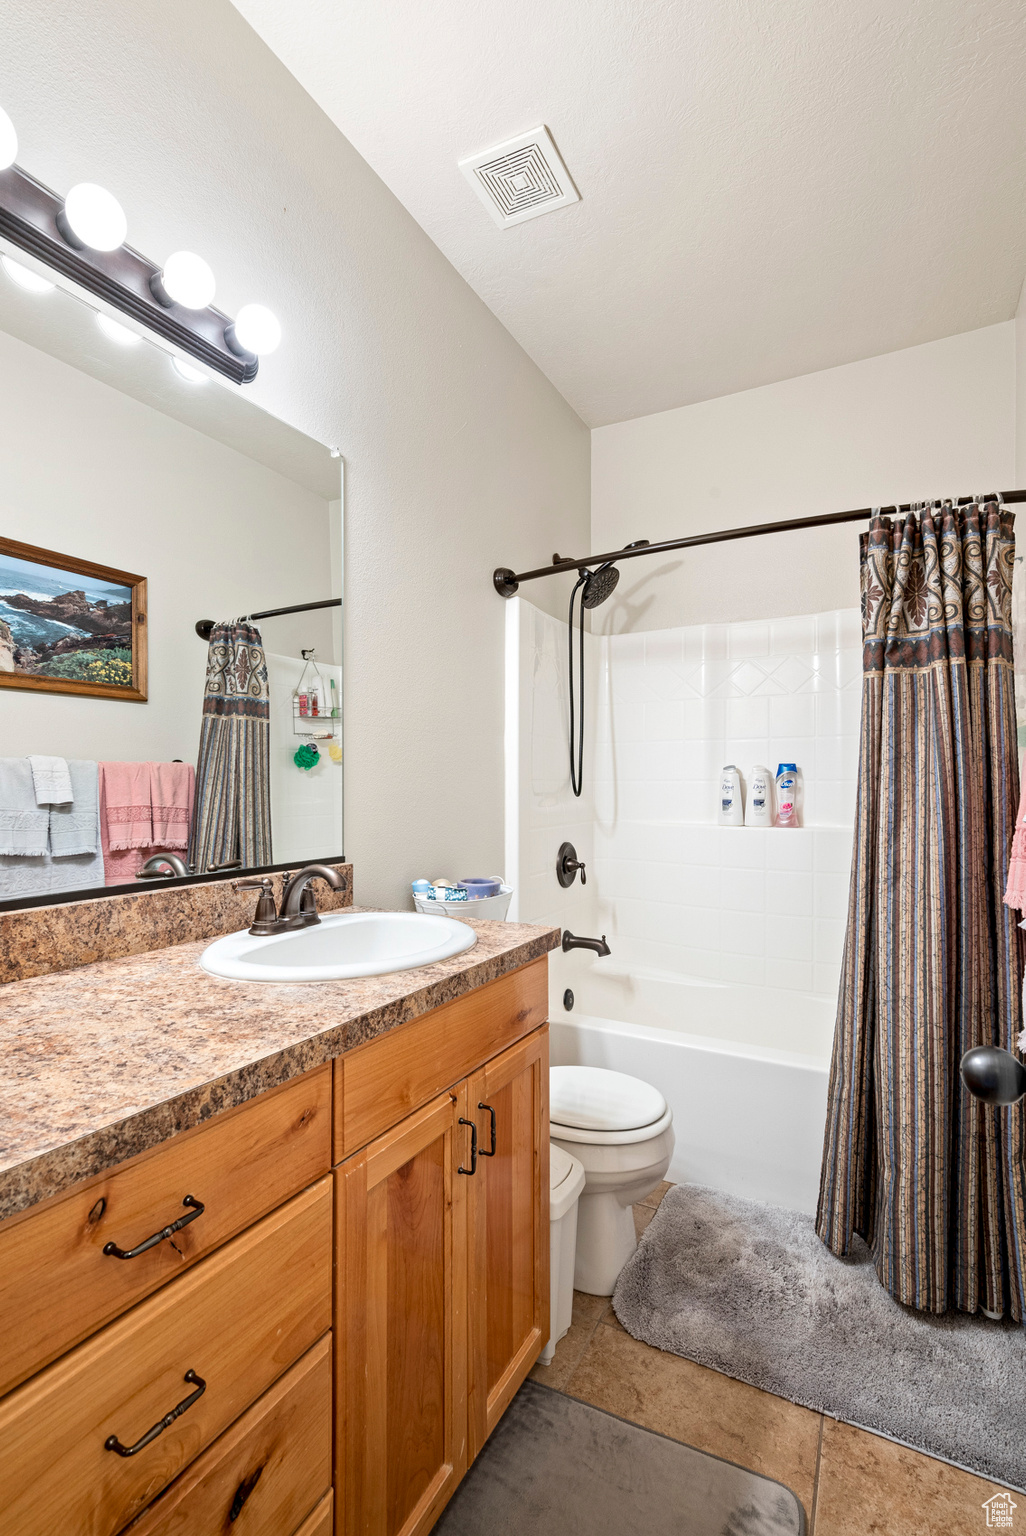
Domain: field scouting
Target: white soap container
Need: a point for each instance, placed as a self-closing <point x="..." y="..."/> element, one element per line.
<point x="759" y="810"/>
<point x="730" y="808"/>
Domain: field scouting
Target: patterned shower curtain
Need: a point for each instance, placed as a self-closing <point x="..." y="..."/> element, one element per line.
<point x="232" y="818"/>
<point x="931" y="1178"/>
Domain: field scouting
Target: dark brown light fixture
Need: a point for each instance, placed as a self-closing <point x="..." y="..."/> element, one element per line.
<point x="31" y="217"/>
<point x="82" y="237"/>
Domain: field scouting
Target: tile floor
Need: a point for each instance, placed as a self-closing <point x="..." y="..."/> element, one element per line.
<point x="851" y="1483"/>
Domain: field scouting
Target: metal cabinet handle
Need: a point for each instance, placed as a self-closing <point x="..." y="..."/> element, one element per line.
<point x="112" y="1443"/>
<point x="473" y="1147"/>
<point x="114" y="1252"/>
<point x="491" y="1111"/>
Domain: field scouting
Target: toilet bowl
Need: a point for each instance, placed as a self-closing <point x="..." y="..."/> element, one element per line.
<point x="620" y="1130"/>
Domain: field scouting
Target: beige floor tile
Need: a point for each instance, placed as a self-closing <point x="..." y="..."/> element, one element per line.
<point x="586" y="1314"/>
<point x="870" y="1487"/>
<point x="700" y="1407"/>
<point x="657" y="1194"/>
<point x="642" y="1216"/>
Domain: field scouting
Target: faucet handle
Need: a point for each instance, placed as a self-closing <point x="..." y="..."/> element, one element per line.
<point x="265" y="920"/>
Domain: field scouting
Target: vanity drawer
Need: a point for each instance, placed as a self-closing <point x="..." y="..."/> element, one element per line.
<point x="55" y="1278"/>
<point x="379" y="1084"/>
<point x="321" y="1522"/>
<point x="238" y="1321"/>
<point x="265" y="1474"/>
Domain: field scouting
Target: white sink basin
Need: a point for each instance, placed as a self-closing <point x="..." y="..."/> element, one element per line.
<point x="342" y="944"/>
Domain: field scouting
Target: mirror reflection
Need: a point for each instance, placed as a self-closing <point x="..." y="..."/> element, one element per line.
<point x="170" y="619"/>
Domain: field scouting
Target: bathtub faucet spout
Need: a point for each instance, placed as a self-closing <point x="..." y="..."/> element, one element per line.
<point x="572" y="941"/>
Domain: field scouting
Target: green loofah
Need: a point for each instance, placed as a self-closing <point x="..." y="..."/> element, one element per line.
<point x="306" y="755"/>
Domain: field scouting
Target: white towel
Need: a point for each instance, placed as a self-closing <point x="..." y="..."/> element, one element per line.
<point x="24" y="827"/>
<point x="51" y="780"/>
<point x="70" y="857"/>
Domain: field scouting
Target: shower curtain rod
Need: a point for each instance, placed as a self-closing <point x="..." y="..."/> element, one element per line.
<point x="506" y="581"/>
<point x="204" y="626"/>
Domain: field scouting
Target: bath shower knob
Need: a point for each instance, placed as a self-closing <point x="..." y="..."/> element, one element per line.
<point x="993" y="1075"/>
<point x="567" y="865"/>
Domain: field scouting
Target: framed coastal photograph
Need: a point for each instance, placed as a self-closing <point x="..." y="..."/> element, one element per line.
<point x="69" y="625"/>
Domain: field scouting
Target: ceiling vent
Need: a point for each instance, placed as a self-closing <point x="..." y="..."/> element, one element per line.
<point x="521" y="179"/>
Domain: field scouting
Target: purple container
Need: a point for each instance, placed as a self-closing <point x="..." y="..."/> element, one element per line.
<point x="481" y="885"/>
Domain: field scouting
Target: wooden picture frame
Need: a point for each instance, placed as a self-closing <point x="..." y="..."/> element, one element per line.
<point x="133" y="627"/>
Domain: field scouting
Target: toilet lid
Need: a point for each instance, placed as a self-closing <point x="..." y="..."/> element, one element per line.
<point x="595" y="1099"/>
<point x="561" y="1167"/>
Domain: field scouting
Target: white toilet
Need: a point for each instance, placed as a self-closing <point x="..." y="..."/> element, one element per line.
<point x="621" y="1131"/>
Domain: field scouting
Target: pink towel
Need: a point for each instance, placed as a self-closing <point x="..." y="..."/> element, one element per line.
<point x="145" y="809"/>
<point x="1015" y="892"/>
<point x="172" y="788"/>
<point x="126" y="813"/>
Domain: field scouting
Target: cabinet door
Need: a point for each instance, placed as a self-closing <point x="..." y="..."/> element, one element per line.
<point x="401" y="1323"/>
<point x="508" y="1219"/>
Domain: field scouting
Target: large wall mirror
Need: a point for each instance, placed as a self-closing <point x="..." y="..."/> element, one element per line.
<point x="138" y="498"/>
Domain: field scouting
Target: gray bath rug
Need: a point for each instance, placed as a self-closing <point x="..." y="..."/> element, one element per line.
<point x="557" y="1467"/>
<point x="750" y="1290"/>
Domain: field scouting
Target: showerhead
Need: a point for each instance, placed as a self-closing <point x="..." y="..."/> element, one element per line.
<point x="599" y="585"/>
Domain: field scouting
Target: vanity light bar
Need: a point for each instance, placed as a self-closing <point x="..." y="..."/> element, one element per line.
<point x="31" y="217"/>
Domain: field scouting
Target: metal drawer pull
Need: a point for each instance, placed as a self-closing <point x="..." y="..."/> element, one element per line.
<point x="112" y="1443"/>
<point x="473" y="1147"/>
<point x="114" y="1252"/>
<point x="491" y="1111"/>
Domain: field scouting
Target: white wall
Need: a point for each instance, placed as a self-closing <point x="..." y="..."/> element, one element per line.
<point x="934" y="420"/>
<point x="460" y="455"/>
<point x="86" y="471"/>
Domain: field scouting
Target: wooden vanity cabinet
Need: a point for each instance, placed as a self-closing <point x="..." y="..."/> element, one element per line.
<point x="58" y="1284"/>
<point x="401" y="1213"/>
<point x="360" y="1296"/>
<point x="507" y="1230"/>
<point x="442" y="1277"/>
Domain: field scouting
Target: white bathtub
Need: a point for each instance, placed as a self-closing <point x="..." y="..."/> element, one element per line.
<point x="744" y="1070"/>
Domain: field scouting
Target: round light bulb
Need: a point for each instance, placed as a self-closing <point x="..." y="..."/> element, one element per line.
<point x="188" y="280"/>
<point x="95" y="217"/>
<point x="8" y="141"/>
<point x="116" y="332"/>
<point x="25" y="278"/>
<point x="188" y="372"/>
<point x="256" y="329"/>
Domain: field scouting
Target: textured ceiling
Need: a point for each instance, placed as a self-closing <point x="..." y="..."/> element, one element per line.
<point x="769" y="187"/>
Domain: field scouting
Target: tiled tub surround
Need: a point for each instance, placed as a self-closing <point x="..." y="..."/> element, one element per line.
<point x="759" y="906"/>
<point x="726" y="942"/>
<point x="103" y="1062"/>
<point x="37" y="941"/>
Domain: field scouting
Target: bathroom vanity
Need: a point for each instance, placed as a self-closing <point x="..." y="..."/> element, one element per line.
<point x="274" y="1259"/>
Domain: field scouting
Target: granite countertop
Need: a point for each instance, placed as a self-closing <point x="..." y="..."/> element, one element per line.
<point x="105" y="1061"/>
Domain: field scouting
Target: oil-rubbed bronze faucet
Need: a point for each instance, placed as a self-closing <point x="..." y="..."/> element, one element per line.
<point x="298" y="907"/>
<point x="572" y="941"/>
